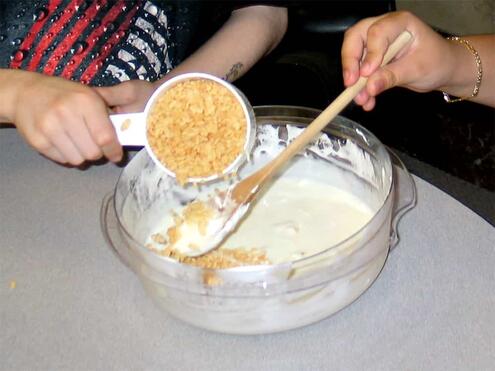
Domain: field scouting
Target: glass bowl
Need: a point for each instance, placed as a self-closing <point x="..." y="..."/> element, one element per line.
<point x="267" y="298"/>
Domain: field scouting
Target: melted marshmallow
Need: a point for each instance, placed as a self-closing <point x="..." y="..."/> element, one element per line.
<point x="296" y="218"/>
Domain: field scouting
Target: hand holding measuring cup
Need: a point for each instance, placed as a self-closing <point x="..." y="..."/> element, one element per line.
<point x="195" y="127"/>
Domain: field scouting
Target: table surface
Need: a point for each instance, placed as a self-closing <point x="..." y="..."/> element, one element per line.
<point x="67" y="302"/>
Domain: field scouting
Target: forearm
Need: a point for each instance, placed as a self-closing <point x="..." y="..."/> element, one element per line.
<point x="463" y="70"/>
<point x="249" y="34"/>
<point x="10" y="83"/>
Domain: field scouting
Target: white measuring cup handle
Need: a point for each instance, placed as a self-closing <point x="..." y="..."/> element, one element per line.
<point x="130" y="128"/>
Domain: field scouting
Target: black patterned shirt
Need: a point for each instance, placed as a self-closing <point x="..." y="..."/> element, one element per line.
<point x="96" y="42"/>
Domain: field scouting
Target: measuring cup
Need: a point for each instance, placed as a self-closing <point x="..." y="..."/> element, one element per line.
<point x="131" y="128"/>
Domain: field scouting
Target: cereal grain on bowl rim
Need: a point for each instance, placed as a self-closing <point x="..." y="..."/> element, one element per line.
<point x="197" y="129"/>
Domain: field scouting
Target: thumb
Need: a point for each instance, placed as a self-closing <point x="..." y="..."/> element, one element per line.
<point x="117" y="95"/>
<point x="385" y="78"/>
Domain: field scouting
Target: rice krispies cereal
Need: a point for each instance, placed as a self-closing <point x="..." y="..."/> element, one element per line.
<point x="199" y="213"/>
<point x="196" y="129"/>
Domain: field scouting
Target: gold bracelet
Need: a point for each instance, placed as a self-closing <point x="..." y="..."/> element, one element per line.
<point x="479" y="74"/>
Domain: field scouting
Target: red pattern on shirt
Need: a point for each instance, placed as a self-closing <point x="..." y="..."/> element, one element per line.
<point x="47" y="39"/>
<point x="93" y="68"/>
<point x="63" y="47"/>
<point x="35" y="30"/>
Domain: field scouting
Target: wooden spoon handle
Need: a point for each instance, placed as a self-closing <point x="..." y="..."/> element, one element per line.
<point x="319" y="123"/>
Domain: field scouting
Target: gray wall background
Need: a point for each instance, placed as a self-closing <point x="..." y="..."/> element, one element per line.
<point x="461" y="17"/>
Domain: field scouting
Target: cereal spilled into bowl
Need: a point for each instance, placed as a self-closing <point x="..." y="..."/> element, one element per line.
<point x="189" y="229"/>
<point x="197" y="129"/>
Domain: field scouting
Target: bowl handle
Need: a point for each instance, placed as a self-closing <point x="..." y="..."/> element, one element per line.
<point x="405" y="195"/>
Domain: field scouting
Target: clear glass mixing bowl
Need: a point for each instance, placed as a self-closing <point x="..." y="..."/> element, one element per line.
<point x="271" y="298"/>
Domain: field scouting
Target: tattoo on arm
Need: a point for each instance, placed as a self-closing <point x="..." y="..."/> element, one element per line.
<point x="234" y="72"/>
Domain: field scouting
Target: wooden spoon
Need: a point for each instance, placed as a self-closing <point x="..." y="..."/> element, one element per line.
<point x="240" y="196"/>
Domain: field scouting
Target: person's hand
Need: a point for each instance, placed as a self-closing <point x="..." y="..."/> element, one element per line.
<point x="127" y="97"/>
<point x="65" y="121"/>
<point x="423" y="65"/>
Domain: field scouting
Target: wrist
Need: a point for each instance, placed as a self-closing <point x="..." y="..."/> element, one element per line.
<point x="464" y="77"/>
<point x="12" y="82"/>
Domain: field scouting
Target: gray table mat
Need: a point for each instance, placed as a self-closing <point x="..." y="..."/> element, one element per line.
<point x="75" y="306"/>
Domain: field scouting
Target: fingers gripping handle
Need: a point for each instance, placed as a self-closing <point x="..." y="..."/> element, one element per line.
<point x="337" y="105"/>
<point x="402" y="40"/>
